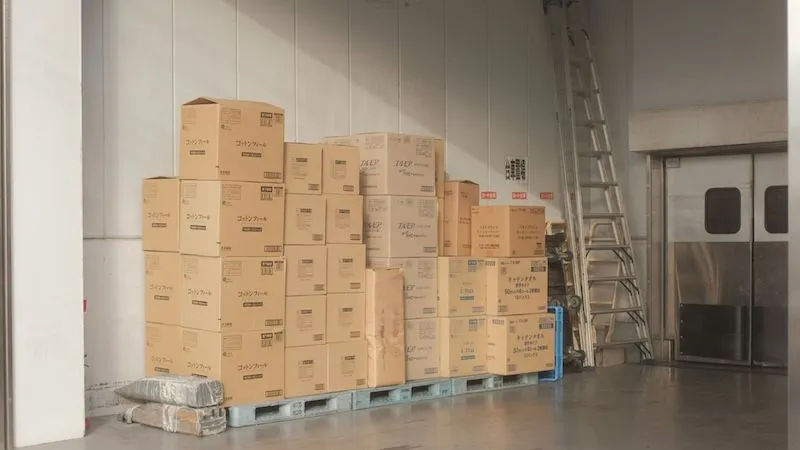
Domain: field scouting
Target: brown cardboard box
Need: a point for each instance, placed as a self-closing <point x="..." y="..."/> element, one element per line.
<point x="306" y="320"/>
<point x="306" y="370"/>
<point x="459" y="198"/>
<point x="340" y="169"/>
<point x="385" y="327"/>
<point x="306" y="270"/>
<point x="161" y="206"/>
<point x="231" y="140"/>
<point x="162" y="287"/>
<point x="303" y="168"/>
<point x="305" y="219"/>
<point x="463" y="346"/>
<point x="521" y="344"/>
<point x="232" y="293"/>
<point x="516" y="286"/>
<point x="347" y="366"/>
<point x="440" y="226"/>
<point x="422" y="349"/>
<point x="346" y="267"/>
<point x="462" y="286"/>
<point x="345" y="219"/>
<point x="162" y="350"/>
<point x="400" y="227"/>
<point x="419" y="284"/>
<point x="249" y="364"/>
<point x="441" y="174"/>
<point x="508" y="231"/>
<point x="231" y="218"/>
<point x="346" y="319"/>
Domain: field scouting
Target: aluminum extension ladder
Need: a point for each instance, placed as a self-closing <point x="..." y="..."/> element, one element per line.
<point x="611" y="313"/>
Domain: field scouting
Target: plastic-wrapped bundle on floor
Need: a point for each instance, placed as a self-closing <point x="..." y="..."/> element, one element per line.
<point x="195" y="392"/>
<point x="179" y="419"/>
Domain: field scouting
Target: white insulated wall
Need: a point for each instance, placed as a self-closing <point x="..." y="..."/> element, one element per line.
<point x="476" y="72"/>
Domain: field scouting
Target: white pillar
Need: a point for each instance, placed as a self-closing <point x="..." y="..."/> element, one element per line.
<point x="793" y="15"/>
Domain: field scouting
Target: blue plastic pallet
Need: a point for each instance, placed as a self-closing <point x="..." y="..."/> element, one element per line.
<point x="558" y="368"/>
<point x="289" y="409"/>
<point x="405" y="393"/>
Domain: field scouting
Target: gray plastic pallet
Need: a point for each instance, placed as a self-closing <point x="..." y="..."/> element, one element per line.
<point x="289" y="409"/>
<point x="481" y="383"/>
<point x="405" y="393"/>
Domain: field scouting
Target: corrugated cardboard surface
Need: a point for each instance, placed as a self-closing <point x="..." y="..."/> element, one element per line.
<point x="162" y="349"/>
<point x="232" y="218"/>
<point x="340" y="170"/>
<point x="462" y="286"/>
<point x="508" y="231"/>
<point x="463" y="346"/>
<point x="305" y="219"/>
<point x="161" y="207"/>
<point x="346" y="267"/>
<point x="231" y="140"/>
<point x="441" y="175"/>
<point x="516" y="286"/>
<point x="459" y="198"/>
<point x="422" y="349"/>
<point x="521" y="344"/>
<point x="385" y="327"/>
<point x="400" y="227"/>
<point x="306" y="370"/>
<point x="306" y="321"/>
<point x="306" y="270"/>
<point x="347" y="366"/>
<point x="346" y="318"/>
<point x="344" y="219"/>
<point x="303" y="168"/>
<point x="232" y="293"/>
<point x="419" y="289"/>
<point x="440" y="226"/>
<point x="162" y="287"/>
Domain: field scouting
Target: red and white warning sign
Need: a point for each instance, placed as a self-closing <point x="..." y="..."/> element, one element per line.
<point x="546" y="196"/>
<point x="488" y="195"/>
<point x="519" y="196"/>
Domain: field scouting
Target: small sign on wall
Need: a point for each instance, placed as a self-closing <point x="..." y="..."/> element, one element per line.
<point x="516" y="169"/>
<point x="519" y="196"/>
<point x="488" y="195"/>
<point x="546" y="196"/>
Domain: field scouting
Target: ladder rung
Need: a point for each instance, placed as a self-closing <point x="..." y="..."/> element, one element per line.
<point x="621" y="343"/>
<point x="603" y="279"/>
<point x="590" y="123"/>
<point x="595" y="154"/>
<point x="599" y="184"/>
<point x="617" y="310"/>
<point x="607" y="247"/>
<point x="605" y="215"/>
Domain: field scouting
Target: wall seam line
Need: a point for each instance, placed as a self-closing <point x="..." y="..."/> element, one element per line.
<point x="399" y="73"/>
<point x="175" y="118"/>
<point x="296" y="78"/>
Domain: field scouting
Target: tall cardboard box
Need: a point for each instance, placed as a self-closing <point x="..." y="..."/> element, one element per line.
<point x="385" y="328"/>
<point x="422" y="349"/>
<point x="344" y="219"/>
<point x="400" y="227"/>
<point x="346" y="267"/>
<point x="162" y="287"/>
<point x="303" y="168"/>
<point x="249" y="364"/>
<point x="232" y="293"/>
<point x="463" y="346"/>
<point x="440" y="225"/>
<point x="306" y="370"/>
<point x="521" y="344"/>
<point x="419" y="284"/>
<point x="231" y="218"/>
<point x="306" y="270"/>
<point x="462" y="286"/>
<point x="341" y="170"/>
<point x="346" y="319"/>
<point x="231" y="140"/>
<point x="305" y="220"/>
<point x="306" y="320"/>
<point x="508" y="231"/>
<point x="516" y="286"/>
<point x="459" y="198"/>
<point x="162" y="349"/>
<point x="347" y="366"/>
<point x="161" y="206"/>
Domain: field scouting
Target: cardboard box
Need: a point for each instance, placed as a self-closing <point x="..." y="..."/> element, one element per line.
<point x="345" y="219"/>
<point x="347" y="366"/>
<point x="462" y="286"/>
<point x="232" y="293"/>
<point x="346" y="267"/>
<point x="463" y="346"/>
<point x="305" y="220"/>
<point x="306" y="270"/>
<point x="306" y="370"/>
<point x="508" y="231"/>
<point x="162" y="287"/>
<point x="346" y="319"/>
<point x="521" y="344"/>
<point x="459" y="198"/>
<point x="385" y="328"/>
<point x="249" y="364"/>
<point x="516" y="286"/>
<point x="162" y="349"/>
<point x="161" y="207"/>
<point x="440" y="226"/>
<point x="441" y="174"/>
<point x="231" y="140"/>
<point x="306" y="320"/>
<point x="231" y="218"/>
<point x="419" y="284"/>
<point x="303" y="168"/>
<point x="400" y="227"/>
<point x="422" y="349"/>
<point x="340" y="169"/>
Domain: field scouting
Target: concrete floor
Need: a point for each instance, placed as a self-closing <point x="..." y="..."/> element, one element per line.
<point x="621" y="408"/>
